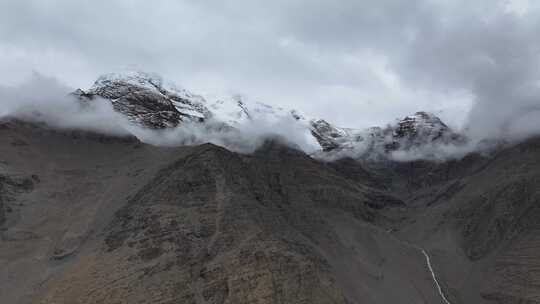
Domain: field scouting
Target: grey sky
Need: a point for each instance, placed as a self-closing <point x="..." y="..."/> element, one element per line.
<point x="355" y="63"/>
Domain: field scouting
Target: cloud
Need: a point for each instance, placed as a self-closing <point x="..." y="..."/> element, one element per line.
<point x="354" y="63"/>
<point x="244" y="138"/>
<point x="46" y="100"/>
<point x="494" y="55"/>
<point x="264" y="50"/>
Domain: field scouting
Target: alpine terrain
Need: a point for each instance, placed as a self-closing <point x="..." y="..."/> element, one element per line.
<point x="365" y="216"/>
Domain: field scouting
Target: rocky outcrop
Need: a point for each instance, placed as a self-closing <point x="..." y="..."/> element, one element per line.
<point x="328" y="136"/>
<point x="423" y="128"/>
<point x="145" y="100"/>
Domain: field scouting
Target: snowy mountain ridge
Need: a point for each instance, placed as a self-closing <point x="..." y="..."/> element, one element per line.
<point x="146" y="100"/>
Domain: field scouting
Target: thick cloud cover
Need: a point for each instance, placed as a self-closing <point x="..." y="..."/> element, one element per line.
<point x="355" y="63"/>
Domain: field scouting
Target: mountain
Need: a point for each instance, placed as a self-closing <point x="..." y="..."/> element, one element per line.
<point x="423" y="128"/>
<point x="93" y="218"/>
<point x="418" y="131"/>
<point x="145" y="100"/>
<point x="332" y="138"/>
<point x="148" y="101"/>
<point x="237" y="110"/>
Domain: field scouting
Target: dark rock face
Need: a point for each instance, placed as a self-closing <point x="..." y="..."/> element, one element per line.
<point x="420" y="129"/>
<point x="142" y="106"/>
<point x="326" y="134"/>
<point x="144" y="100"/>
<point x="421" y="124"/>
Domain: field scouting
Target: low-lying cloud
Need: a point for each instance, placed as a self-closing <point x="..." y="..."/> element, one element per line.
<point x="46" y="100"/>
<point x="356" y="63"/>
<point x="243" y="138"/>
<point x="43" y="99"/>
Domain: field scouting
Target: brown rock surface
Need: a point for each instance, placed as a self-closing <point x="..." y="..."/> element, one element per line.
<point x="110" y="220"/>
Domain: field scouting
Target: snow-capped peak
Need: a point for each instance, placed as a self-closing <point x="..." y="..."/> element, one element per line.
<point x="147" y="81"/>
<point x="136" y="78"/>
<point x="420" y="123"/>
<point x="146" y="99"/>
<point x="237" y="109"/>
<point x="415" y="131"/>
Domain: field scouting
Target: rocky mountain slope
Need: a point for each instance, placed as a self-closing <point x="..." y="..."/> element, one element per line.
<point x="93" y="218"/>
<point x="89" y="218"/>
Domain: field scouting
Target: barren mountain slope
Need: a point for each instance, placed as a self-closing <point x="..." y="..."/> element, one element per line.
<point x="96" y="219"/>
<point x="479" y="218"/>
<point x="77" y="181"/>
<point x="113" y="221"/>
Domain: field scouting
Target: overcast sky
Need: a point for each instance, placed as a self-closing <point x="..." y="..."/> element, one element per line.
<point x="356" y="63"/>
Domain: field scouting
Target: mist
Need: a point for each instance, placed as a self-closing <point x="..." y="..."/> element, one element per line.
<point x="245" y="137"/>
<point x="357" y="64"/>
<point x="45" y="100"/>
<point x="488" y="50"/>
